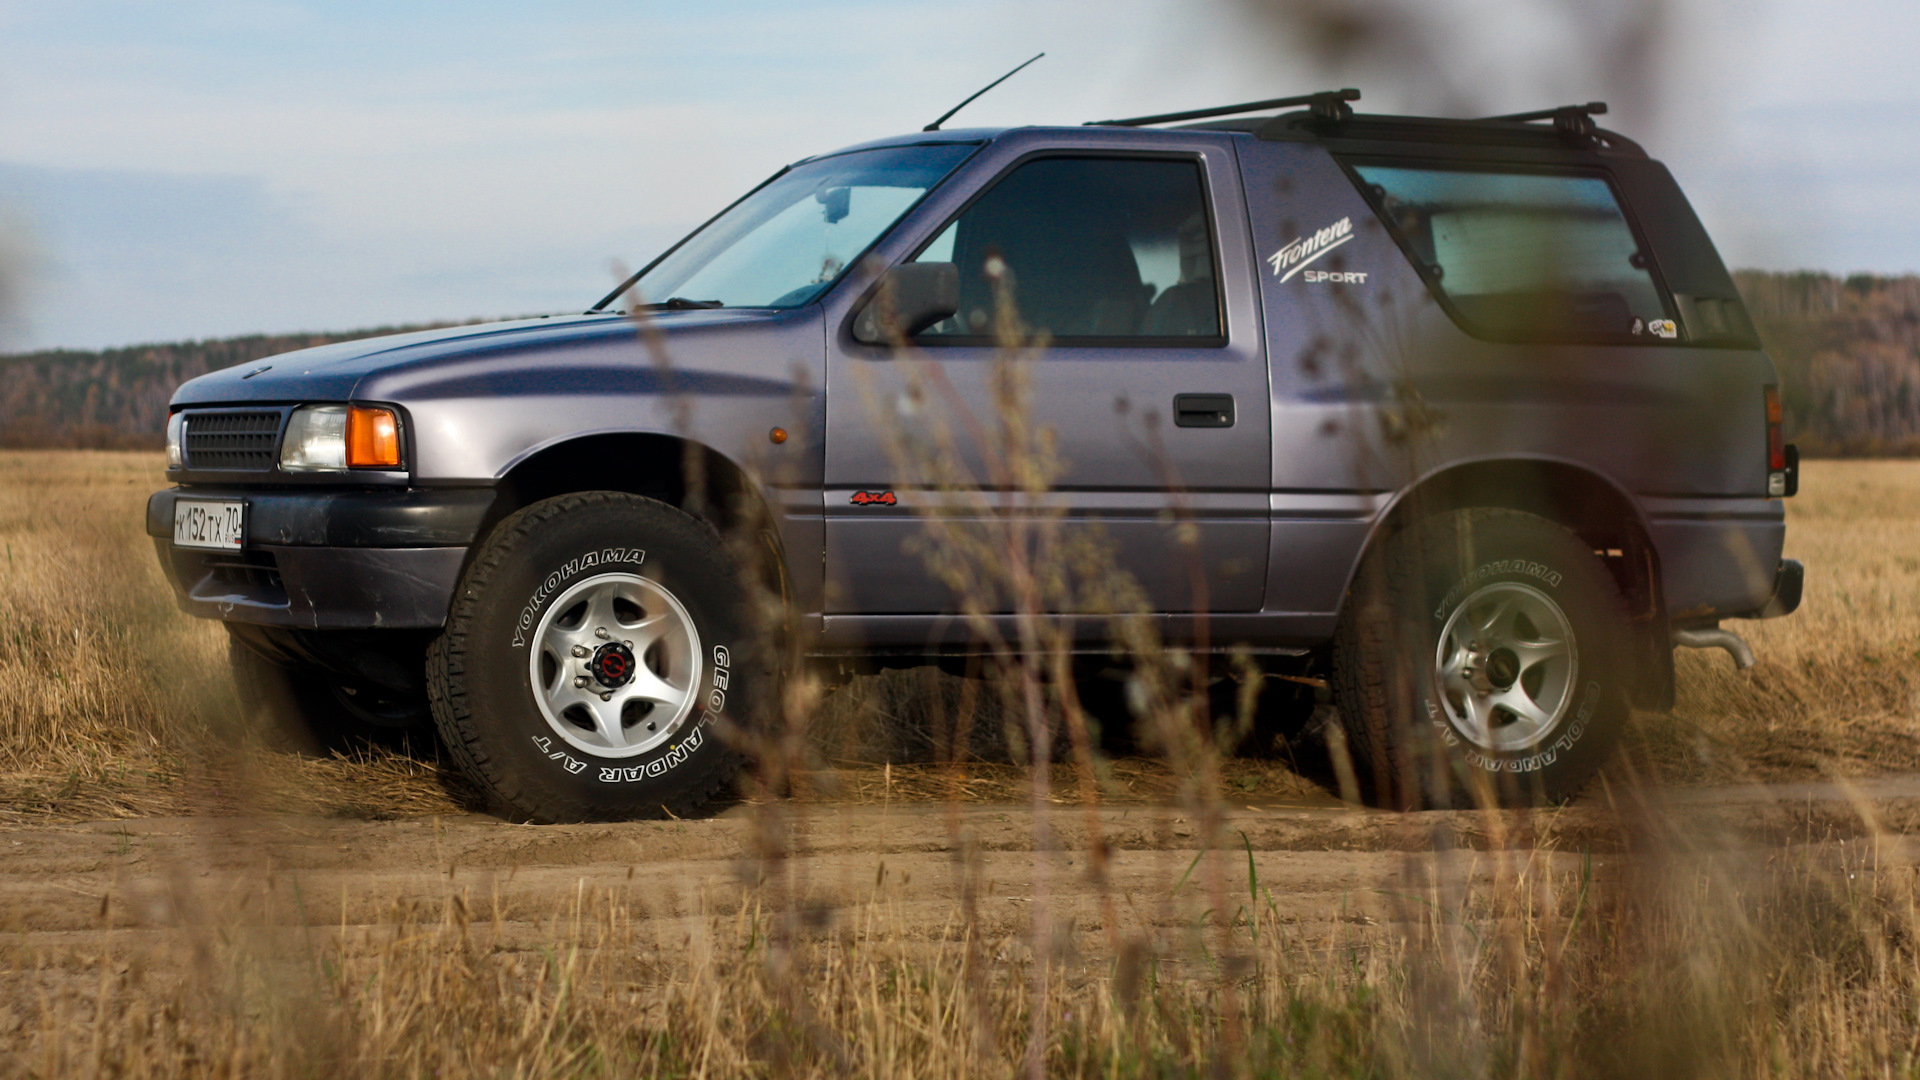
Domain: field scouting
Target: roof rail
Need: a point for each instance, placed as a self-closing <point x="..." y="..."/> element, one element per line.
<point x="1326" y="105"/>
<point x="1567" y="119"/>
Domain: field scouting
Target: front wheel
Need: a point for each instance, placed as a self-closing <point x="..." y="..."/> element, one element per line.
<point x="594" y="652"/>
<point x="1482" y="659"/>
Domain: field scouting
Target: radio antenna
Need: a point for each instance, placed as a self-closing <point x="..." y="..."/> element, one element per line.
<point x="948" y="115"/>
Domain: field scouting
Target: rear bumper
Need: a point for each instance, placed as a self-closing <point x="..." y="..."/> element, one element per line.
<point x="1719" y="558"/>
<point x="1788" y="582"/>
<point x="358" y="560"/>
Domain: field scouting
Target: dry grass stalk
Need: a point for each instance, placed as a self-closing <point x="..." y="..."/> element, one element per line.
<point x="1680" y="951"/>
<point x="124" y="721"/>
<point x="1694" y="959"/>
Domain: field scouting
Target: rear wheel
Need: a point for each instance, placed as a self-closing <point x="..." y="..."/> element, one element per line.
<point x="594" y="653"/>
<point x="1482" y="659"/>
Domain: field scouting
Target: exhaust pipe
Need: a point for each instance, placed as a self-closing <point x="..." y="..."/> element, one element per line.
<point x="1716" y="638"/>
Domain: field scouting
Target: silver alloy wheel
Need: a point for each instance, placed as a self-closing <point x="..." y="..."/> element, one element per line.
<point x="616" y="664"/>
<point x="1506" y="666"/>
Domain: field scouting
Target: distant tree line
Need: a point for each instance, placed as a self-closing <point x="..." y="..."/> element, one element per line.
<point x="1848" y="351"/>
<point x="116" y="399"/>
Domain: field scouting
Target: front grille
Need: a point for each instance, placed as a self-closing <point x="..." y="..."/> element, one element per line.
<point x="231" y="440"/>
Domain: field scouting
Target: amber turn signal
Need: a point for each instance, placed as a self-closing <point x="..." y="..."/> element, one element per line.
<point x="373" y="438"/>
<point x="778" y="435"/>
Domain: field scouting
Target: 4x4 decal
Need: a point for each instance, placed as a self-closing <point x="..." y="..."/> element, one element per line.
<point x="872" y="498"/>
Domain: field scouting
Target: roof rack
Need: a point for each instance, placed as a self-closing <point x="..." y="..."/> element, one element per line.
<point x="1567" y="119"/>
<point x="1326" y="105"/>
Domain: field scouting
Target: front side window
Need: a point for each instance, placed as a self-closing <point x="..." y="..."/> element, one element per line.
<point x="1533" y="256"/>
<point x="784" y="244"/>
<point x="1096" y="248"/>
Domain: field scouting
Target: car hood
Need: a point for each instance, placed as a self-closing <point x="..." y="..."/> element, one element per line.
<point x="527" y="351"/>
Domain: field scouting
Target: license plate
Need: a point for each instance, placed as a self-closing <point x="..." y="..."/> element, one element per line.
<point x="202" y="523"/>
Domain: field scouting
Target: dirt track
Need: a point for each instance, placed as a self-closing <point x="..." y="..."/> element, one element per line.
<point x="69" y="892"/>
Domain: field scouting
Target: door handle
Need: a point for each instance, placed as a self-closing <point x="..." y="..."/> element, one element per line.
<point x="1203" y="410"/>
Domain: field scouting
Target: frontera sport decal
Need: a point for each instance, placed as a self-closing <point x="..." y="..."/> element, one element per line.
<point x="1295" y="256"/>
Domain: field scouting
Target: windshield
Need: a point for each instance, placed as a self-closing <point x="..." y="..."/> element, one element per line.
<point x="783" y="244"/>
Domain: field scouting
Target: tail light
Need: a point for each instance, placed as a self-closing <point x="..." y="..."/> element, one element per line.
<point x="1783" y="461"/>
<point x="1776" y="442"/>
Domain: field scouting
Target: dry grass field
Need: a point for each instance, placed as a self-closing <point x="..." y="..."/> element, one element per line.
<point x="1837" y="689"/>
<point x="174" y="902"/>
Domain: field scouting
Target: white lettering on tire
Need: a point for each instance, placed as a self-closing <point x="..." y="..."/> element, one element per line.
<point x="680" y="751"/>
<point x="567" y="761"/>
<point x="528" y="614"/>
<point x="1487" y="570"/>
<point x="677" y="753"/>
<point x="717" y="697"/>
<point x="1535" y="762"/>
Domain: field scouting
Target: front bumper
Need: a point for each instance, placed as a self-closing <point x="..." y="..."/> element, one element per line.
<point x="328" y="560"/>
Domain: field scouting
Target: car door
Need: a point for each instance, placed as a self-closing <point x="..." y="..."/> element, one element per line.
<point x="1134" y="268"/>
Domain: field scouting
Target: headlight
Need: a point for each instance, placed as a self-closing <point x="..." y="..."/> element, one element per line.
<point x="334" y="437"/>
<point x="316" y="439"/>
<point x="176" y="451"/>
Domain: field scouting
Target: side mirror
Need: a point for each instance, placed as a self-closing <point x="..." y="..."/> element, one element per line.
<point x="909" y="298"/>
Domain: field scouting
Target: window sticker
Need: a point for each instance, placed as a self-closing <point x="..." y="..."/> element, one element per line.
<point x="1521" y="255"/>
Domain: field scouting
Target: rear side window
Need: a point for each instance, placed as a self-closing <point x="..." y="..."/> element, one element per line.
<point x="1524" y="256"/>
<point x="1099" y="249"/>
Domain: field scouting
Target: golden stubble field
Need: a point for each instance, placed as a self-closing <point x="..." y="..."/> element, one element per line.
<point x="175" y="902"/>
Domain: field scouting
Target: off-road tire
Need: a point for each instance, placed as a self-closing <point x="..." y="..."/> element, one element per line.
<point x="483" y="692"/>
<point x="302" y="708"/>
<point x="1408" y="750"/>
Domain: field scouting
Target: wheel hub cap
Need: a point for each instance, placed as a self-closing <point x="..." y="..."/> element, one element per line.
<point x="616" y="665"/>
<point x="612" y="665"/>
<point x="1505" y="667"/>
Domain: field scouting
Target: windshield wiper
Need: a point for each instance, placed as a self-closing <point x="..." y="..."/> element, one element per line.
<point x="681" y="303"/>
<point x="671" y="303"/>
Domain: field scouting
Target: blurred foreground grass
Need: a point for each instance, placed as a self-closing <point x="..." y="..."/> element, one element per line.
<point x="1615" y="940"/>
<point x="114" y="704"/>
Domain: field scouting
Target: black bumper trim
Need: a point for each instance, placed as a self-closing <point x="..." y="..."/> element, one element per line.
<point x="413" y="518"/>
<point x="318" y="588"/>
<point x="1788" y="583"/>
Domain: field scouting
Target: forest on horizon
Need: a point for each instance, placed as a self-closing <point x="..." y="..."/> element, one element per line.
<point x="1847" y="348"/>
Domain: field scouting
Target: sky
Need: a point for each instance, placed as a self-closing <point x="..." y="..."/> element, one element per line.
<point x="184" y="170"/>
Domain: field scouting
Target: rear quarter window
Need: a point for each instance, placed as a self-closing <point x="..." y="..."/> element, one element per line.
<point x="1529" y="256"/>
